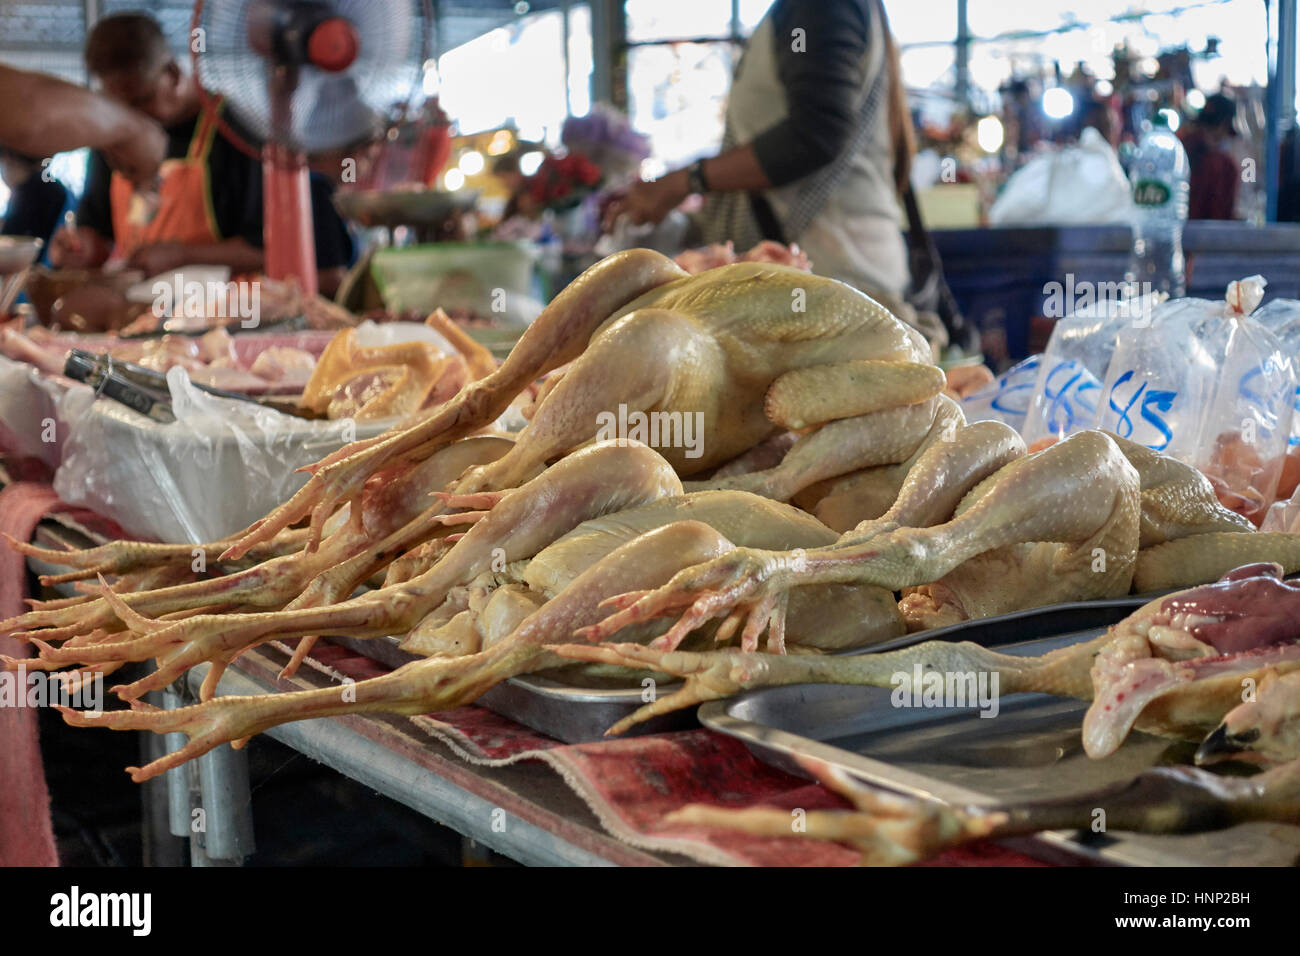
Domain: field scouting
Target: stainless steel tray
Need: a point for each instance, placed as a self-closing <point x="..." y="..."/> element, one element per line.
<point x="1031" y="750"/>
<point x="573" y="713"/>
<point x="570" y="712"/>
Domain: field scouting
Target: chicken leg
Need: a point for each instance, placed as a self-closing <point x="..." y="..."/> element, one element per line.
<point x="892" y="830"/>
<point x="1019" y="505"/>
<point x="606" y="477"/>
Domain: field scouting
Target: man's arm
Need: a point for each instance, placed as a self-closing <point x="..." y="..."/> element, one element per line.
<point x="89" y="243"/>
<point x="236" y="253"/>
<point x="59" y="116"/>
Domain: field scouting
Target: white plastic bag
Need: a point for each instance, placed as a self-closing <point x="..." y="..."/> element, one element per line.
<point x="29" y="422"/>
<point x="1075" y="185"/>
<point x="219" y="467"/>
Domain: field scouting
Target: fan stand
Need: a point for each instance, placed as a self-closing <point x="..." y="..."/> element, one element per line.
<point x="287" y="229"/>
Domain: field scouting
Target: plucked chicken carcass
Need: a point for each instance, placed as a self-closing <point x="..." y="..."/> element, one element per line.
<point x="1174" y="667"/>
<point x="646" y="338"/>
<point x="542" y="560"/>
<point x="801" y="384"/>
<point x="600" y="521"/>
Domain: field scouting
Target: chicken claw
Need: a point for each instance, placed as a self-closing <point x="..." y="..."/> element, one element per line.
<point x="742" y="584"/>
<point x="712" y="676"/>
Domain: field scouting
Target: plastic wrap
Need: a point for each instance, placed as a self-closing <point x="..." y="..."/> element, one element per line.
<point x="1076" y="185"/>
<point x="1282" y="318"/>
<point x="220" y="466"/>
<point x="1283" y="515"/>
<point x="29" y="420"/>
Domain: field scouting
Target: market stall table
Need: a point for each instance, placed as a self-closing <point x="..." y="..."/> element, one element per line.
<point x="526" y="796"/>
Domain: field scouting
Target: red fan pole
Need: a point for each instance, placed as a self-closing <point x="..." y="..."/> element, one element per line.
<point x="287" y="219"/>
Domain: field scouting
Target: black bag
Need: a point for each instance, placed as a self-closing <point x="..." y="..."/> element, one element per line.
<point x="929" y="291"/>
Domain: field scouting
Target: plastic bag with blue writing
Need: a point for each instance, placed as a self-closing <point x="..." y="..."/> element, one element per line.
<point x="1209" y="385"/>
<point x="1068" y="386"/>
<point x="1007" y="398"/>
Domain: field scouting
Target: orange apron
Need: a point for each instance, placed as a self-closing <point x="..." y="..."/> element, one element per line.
<point x="182" y="210"/>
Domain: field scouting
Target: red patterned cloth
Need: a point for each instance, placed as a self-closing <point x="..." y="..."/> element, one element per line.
<point x="26" y="833"/>
<point x="632" y="783"/>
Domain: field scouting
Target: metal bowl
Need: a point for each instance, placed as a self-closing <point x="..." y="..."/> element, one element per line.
<point x="417" y="207"/>
<point x="83" y="300"/>
<point x="17" y="253"/>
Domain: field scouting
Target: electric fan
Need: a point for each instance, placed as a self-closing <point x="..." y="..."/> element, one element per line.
<point x="307" y="79"/>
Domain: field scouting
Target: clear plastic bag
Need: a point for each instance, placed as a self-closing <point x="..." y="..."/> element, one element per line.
<point x="1068" y="388"/>
<point x="219" y="467"/>
<point x="1282" y="318"/>
<point x="1206" y="383"/>
<point x="1007" y="398"/>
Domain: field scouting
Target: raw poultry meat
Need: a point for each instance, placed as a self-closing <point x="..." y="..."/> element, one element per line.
<point x="576" y="562"/>
<point x="1176" y="664"/>
<point x="209" y="360"/>
<point x="892" y="830"/>
<point x="647" y="339"/>
<point x="392" y="381"/>
<point x="1009" y="545"/>
<point x="505" y="632"/>
<point x="704" y="258"/>
<point x="551" y="535"/>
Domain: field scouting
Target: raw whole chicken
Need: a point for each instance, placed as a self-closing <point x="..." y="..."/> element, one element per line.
<point x="798" y="389"/>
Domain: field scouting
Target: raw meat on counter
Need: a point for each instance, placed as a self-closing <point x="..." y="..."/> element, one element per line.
<point x="700" y="260"/>
<point x="253" y="364"/>
<point x="276" y="300"/>
<point x="606" y="541"/>
<point x="370" y="382"/>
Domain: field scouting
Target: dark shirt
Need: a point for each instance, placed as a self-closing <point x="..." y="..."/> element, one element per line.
<point x="235" y="180"/>
<point x="35" y="208"/>
<point x="822" y="84"/>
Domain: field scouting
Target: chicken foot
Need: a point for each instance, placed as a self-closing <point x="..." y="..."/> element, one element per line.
<point x="892" y="830"/>
<point x="428" y="685"/>
<point x="394" y="513"/>
<point x="598" y="480"/>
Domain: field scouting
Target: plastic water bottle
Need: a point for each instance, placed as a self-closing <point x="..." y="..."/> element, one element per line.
<point x="1159" y="177"/>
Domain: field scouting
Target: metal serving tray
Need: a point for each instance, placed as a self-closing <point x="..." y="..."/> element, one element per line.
<point x="570" y="709"/>
<point x="561" y="705"/>
<point x="1031" y="750"/>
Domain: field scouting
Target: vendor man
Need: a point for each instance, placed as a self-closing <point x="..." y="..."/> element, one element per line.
<point x="208" y="204"/>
